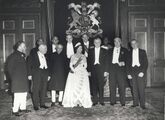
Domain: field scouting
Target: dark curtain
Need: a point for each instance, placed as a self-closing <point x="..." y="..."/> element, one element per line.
<point x="106" y="12"/>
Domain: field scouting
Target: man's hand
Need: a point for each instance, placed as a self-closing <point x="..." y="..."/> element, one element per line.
<point x="30" y="77"/>
<point x="49" y="78"/>
<point x="129" y="77"/>
<point x="141" y="74"/>
<point x="89" y="74"/>
<point x="121" y="64"/>
<point x="106" y="74"/>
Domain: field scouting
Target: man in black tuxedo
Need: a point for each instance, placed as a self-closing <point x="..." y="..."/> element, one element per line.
<point x="117" y="71"/>
<point x="86" y="44"/>
<point x="97" y="62"/>
<point x="38" y="73"/>
<point x="38" y="42"/>
<point x="69" y="49"/>
<point x="137" y="64"/>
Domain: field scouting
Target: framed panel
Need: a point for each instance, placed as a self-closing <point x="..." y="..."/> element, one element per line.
<point x="8" y="42"/>
<point x="29" y="39"/>
<point x="145" y="2"/>
<point x="159" y="22"/>
<point x="140" y="22"/>
<point x="28" y="24"/>
<point x="8" y="25"/>
<point x="142" y="38"/>
<point x="159" y="47"/>
<point x="159" y="54"/>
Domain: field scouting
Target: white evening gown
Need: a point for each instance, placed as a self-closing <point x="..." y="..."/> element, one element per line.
<point x="77" y="91"/>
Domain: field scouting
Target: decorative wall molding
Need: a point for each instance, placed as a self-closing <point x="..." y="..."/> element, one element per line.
<point x="20" y="4"/>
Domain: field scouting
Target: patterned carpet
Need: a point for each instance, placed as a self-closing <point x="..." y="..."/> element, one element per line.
<point x="98" y="112"/>
<point x="107" y="112"/>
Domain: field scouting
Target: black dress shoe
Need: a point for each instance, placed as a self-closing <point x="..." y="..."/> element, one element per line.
<point x="143" y="107"/>
<point x="16" y="114"/>
<point x="102" y="104"/>
<point x="36" y="108"/>
<point x="44" y="106"/>
<point x="94" y="104"/>
<point x="134" y="105"/>
<point x="53" y="104"/>
<point x="25" y="111"/>
<point x="112" y="104"/>
<point x="60" y="103"/>
<point x="122" y="104"/>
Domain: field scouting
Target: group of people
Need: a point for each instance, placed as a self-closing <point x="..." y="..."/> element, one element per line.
<point x="77" y="71"/>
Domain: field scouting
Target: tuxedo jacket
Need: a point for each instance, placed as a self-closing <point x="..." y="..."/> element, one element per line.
<point x="122" y="57"/>
<point x="102" y="59"/>
<point x="142" y="60"/>
<point x="33" y="64"/>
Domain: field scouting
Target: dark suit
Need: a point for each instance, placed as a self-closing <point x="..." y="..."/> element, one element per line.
<point x="39" y="78"/>
<point x="138" y="82"/>
<point x="117" y="75"/>
<point x="58" y="72"/>
<point x="65" y="52"/>
<point x="97" y="73"/>
<point x="16" y="68"/>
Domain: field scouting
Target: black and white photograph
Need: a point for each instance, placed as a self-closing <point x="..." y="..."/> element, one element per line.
<point x="82" y="59"/>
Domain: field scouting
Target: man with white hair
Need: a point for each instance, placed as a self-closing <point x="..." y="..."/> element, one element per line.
<point x="39" y="75"/>
<point x="136" y="71"/>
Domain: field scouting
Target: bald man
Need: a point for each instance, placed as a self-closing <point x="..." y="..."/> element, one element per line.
<point x="39" y="76"/>
<point x="117" y="71"/>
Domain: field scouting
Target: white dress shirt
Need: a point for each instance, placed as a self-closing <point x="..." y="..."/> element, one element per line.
<point x="69" y="50"/>
<point x="135" y="58"/>
<point x="54" y="48"/>
<point x="116" y="53"/>
<point x="97" y="53"/>
<point x="87" y="45"/>
<point x="42" y="60"/>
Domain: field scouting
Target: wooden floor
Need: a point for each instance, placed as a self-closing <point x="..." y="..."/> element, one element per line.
<point x="154" y="111"/>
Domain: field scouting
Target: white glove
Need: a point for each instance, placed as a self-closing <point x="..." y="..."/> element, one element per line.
<point x="30" y="77"/>
<point x="106" y="74"/>
<point x="49" y="78"/>
<point x="129" y="77"/>
<point x="141" y="74"/>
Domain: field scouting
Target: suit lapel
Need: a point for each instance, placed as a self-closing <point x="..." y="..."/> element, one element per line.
<point x="100" y="54"/>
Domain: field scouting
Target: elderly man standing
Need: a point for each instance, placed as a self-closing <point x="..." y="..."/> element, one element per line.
<point x="136" y="70"/>
<point x="39" y="75"/>
<point x="16" y="67"/>
<point x="97" y="68"/>
<point x="58" y="74"/>
<point x="117" y="71"/>
<point x="55" y="42"/>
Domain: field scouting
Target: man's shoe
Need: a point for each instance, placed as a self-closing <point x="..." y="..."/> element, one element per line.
<point x="53" y="104"/>
<point x="112" y="104"/>
<point x="36" y="108"/>
<point x="123" y="105"/>
<point x="94" y="104"/>
<point x="60" y="103"/>
<point x="143" y="107"/>
<point x="44" y="106"/>
<point x="25" y="111"/>
<point x="102" y="104"/>
<point x="134" y="105"/>
<point x="16" y="114"/>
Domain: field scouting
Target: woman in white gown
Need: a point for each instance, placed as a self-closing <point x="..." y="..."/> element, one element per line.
<point x="77" y="91"/>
